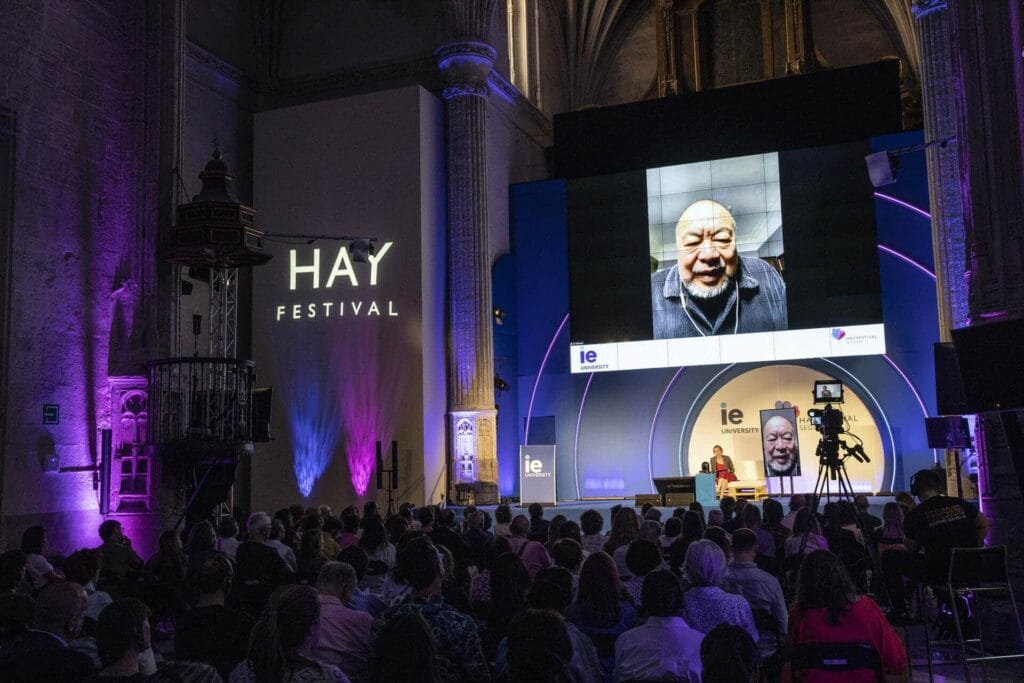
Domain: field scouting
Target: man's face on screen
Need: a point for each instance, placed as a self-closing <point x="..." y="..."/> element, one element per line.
<point x="780" y="448"/>
<point x="706" y="240"/>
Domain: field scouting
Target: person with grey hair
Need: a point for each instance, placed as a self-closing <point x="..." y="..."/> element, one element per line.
<point x="706" y="605"/>
<point x="276" y="541"/>
<point x="344" y="632"/>
<point x="259" y="570"/>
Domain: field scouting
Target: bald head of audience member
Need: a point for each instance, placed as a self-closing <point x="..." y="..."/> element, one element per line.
<point x="60" y="609"/>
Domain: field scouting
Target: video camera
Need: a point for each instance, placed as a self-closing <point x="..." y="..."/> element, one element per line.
<point x="828" y="421"/>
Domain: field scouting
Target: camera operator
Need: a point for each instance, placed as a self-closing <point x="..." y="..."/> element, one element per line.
<point x="933" y="528"/>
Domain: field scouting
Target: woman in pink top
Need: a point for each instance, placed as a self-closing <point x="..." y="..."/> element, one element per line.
<point x="829" y="610"/>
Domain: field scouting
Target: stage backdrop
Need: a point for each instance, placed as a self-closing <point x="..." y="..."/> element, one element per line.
<point x="354" y="351"/>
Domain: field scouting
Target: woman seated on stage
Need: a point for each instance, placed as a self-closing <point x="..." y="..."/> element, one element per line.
<point x="722" y="468"/>
<point x="828" y="609"/>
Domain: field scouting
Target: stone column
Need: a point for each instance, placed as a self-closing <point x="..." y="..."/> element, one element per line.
<point x="938" y="94"/>
<point x="986" y="40"/>
<point x="466" y="63"/>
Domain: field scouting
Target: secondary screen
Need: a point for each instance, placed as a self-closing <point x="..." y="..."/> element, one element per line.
<point x="743" y="259"/>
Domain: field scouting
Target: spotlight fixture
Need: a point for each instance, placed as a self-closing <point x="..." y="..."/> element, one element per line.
<point x="361" y="248"/>
<point x="500" y="384"/>
<point x="885" y="165"/>
<point x="499" y="315"/>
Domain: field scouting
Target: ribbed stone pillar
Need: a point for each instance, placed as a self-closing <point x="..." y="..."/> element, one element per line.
<point x="466" y="64"/>
<point x="940" y="121"/>
<point x="986" y="40"/>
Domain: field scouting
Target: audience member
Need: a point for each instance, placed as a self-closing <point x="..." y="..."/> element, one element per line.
<point x="365" y="601"/>
<point x="276" y="541"/>
<point x="227" y="537"/>
<point x="426" y="518"/>
<point x="671" y="532"/>
<point x="122" y="635"/>
<point x="15" y="606"/>
<point x="642" y="557"/>
<point x="211" y="632"/>
<point x="760" y="589"/>
<point x="602" y="610"/>
<point x="846" y="541"/>
<point x="538" y="525"/>
<point x="444" y="534"/>
<point x="404" y="649"/>
<point x="932" y="529"/>
<point x="380" y="554"/>
<point x="591" y="523"/>
<point x="625" y="530"/>
<point x="259" y="569"/>
<point x="555" y="530"/>
<point x="344" y="632"/>
<point x="890" y="536"/>
<point x="349" y="534"/>
<point x="716" y="518"/>
<point x="539" y="647"/>
<point x="735" y="521"/>
<point x="502" y="520"/>
<point x="509" y="583"/>
<point x="310" y="556"/>
<point x="119" y="560"/>
<point x="906" y="500"/>
<point x="460" y="656"/>
<point x="806" y="535"/>
<point x="796" y="503"/>
<point x="828" y="609"/>
<point x="729" y="655"/>
<point x="706" y="605"/>
<point x="40" y="571"/>
<point x="533" y="553"/>
<point x="200" y="546"/>
<point x="83" y="567"/>
<point x="283" y="640"/>
<point x="664" y="647"/>
<point x="721" y="538"/>
<point x="42" y="653"/>
<point x="284" y="515"/>
<point x="864" y="518"/>
<point x="571" y="530"/>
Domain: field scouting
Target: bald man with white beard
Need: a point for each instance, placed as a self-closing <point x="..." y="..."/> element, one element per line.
<point x="712" y="289"/>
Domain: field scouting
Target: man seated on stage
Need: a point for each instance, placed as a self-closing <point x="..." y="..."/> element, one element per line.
<point x="712" y="289"/>
<point x="933" y="528"/>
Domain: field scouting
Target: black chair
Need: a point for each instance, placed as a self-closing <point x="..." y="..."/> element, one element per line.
<point x="974" y="573"/>
<point x="836" y="658"/>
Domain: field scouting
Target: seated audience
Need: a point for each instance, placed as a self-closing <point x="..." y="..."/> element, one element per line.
<point x="760" y="589"/>
<point x="362" y="600"/>
<point x="211" y="632"/>
<point x="932" y="529"/>
<point x="539" y="647"/>
<point x="404" y="649"/>
<point x="846" y="542"/>
<point x="664" y="647"/>
<point x="122" y="636"/>
<point x="715" y="517"/>
<point x="625" y="530"/>
<point x="642" y="557"/>
<point x="828" y="609"/>
<point x="15" y="605"/>
<point x="502" y="520"/>
<point x="568" y="554"/>
<point x="119" y="560"/>
<point x="796" y="503"/>
<point x="890" y="536"/>
<point x="200" y="546"/>
<point x="571" y="530"/>
<point x="706" y="605"/>
<point x="310" y="557"/>
<point x="344" y="632"/>
<point x="728" y="655"/>
<point x="865" y="518"/>
<point x="721" y="538"/>
<point x="533" y="553"/>
<point x="602" y="610"/>
<point x="276" y="541"/>
<point x="806" y="535"/>
<point x="380" y="554"/>
<point x="538" y="525"/>
<point x="42" y="653"/>
<point x="83" y="567"/>
<point x="259" y="570"/>
<point x="509" y="583"/>
<point x="591" y="524"/>
<point x="555" y="530"/>
<point x="765" y="541"/>
<point x="227" y="537"/>
<point x="283" y="639"/>
<point x="671" y="532"/>
<point x="349" y="534"/>
<point x="460" y="656"/>
<point x="40" y="571"/>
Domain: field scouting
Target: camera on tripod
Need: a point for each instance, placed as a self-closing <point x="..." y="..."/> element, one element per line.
<point x="828" y="420"/>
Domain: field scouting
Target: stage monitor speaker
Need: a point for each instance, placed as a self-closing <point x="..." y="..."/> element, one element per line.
<point x="947" y="432"/>
<point x="675" y="485"/>
<point x="679" y="500"/>
<point x="949" y="391"/>
<point x="261" y="407"/>
<point x="991" y="370"/>
<point x="641" y="499"/>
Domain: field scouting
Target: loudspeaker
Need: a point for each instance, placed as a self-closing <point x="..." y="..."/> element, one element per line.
<point x="394" y="465"/>
<point x="380" y="467"/>
<point x="949" y="391"/>
<point x="947" y="432"/>
<point x="261" y="407"/>
<point x="641" y="499"/>
<point x="991" y="370"/>
<point x="678" y="499"/>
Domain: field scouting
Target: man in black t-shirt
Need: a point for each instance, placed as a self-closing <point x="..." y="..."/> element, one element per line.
<point x="259" y="570"/>
<point x="939" y="524"/>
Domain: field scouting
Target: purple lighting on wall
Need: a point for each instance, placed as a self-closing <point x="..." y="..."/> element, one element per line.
<point x="315" y="429"/>
<point x="907" y="260"/>
<point x="906" y="205"/>
<point x="540" y="371"/>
